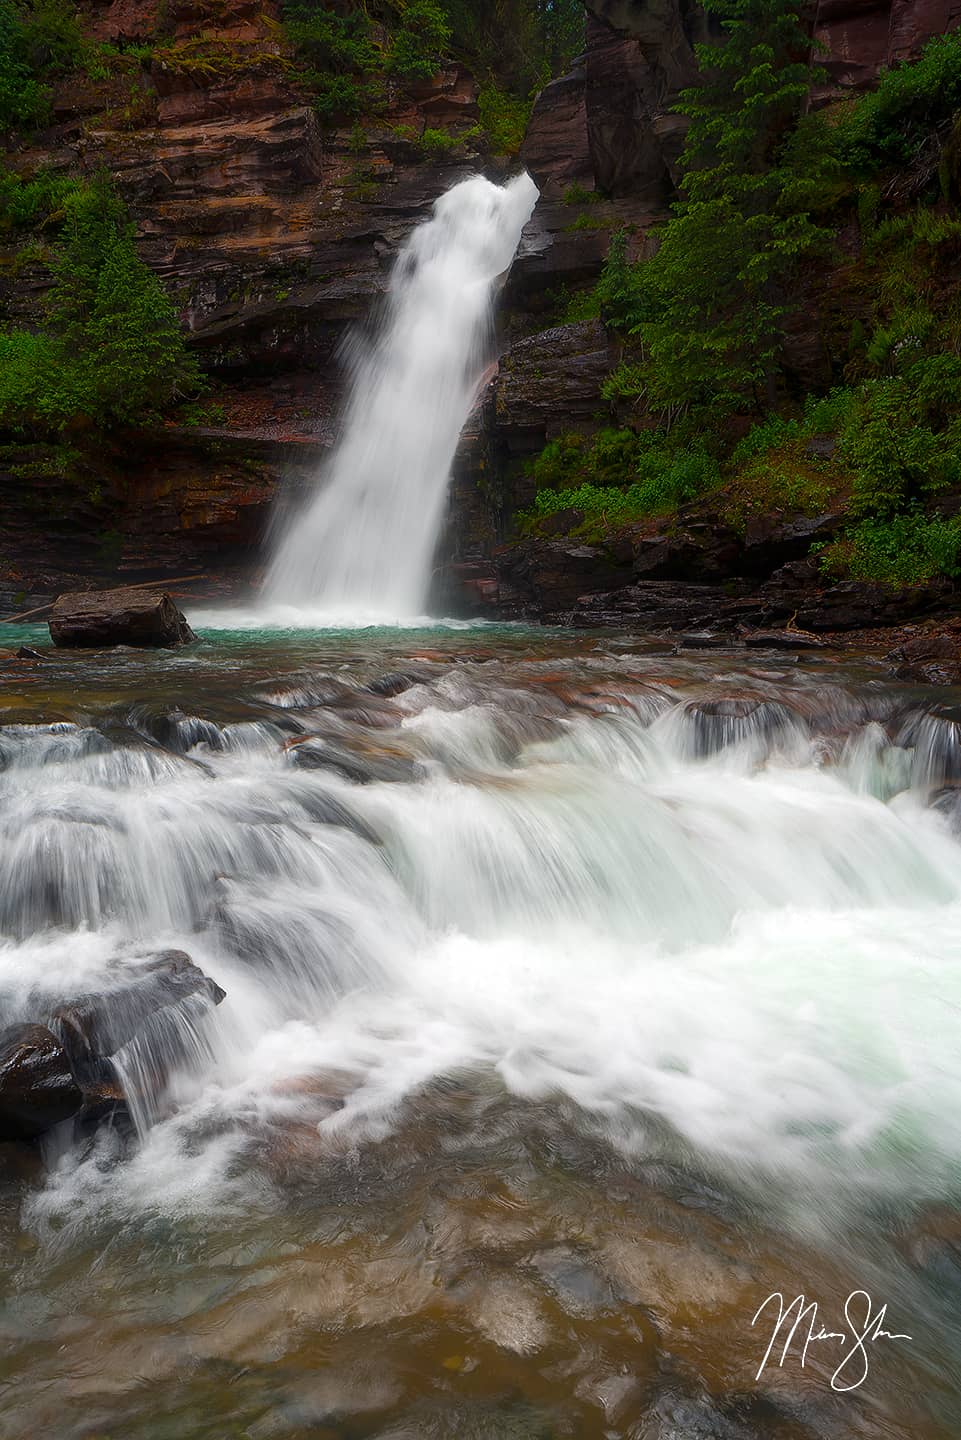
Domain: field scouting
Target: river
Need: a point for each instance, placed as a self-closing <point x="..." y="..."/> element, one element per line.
<point x="579" y="996"/>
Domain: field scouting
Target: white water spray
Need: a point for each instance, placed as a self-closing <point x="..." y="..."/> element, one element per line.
<point x="365" y="545"/>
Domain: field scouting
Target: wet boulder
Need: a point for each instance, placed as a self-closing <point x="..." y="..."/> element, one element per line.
<point x="94" y="1027"/>
<point x="66" y="1068"/>
<point x="38" y="1088"/>
<point x="930" y="659"/>
<point x="145" y="618"/>
<point x="715" y="724"/>
<point x="315" y="752"/>
<point x="394" y="682"/>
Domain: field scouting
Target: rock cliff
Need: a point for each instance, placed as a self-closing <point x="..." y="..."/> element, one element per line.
<point x="275" y="234"/>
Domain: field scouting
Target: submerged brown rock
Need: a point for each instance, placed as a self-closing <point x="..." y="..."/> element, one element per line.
<point x="126" y="616"/>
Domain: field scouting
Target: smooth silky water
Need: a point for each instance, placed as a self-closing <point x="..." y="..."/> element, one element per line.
<point x="364" y="546"/>
<point x="579" y="995"/>
<point x="571" y="1010"/>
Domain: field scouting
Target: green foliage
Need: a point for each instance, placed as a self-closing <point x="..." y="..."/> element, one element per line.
<point x="522" y="43"/>
<point x="433" y="142"/>
<point x="345" y="50"/>
<point x="27" y="204"/>
<point x="418" y="45"/>
<point x="707" y="308"/>
<point x="336" y="51"/>
<point x="577" y="195"/>
<point x="345" y="53"/>
<point x="111" y="350"/>
<point x="503" y="118"/>
<point x="901" y="550"/>
<point x="823" y="415"/>
<point x="888" y="126"/>
<point x="618" y="476"/>
<point x="23" y="99"/>
<point x="903" y="439"/>
<point x="39" y="40"/>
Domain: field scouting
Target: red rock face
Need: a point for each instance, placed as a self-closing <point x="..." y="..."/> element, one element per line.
<point x="623" y="108"/>
<point x="640" y="57"/>
<point x="556" y="148"/>
<point x="273" y="235"/>
<point x="861" y="36"/>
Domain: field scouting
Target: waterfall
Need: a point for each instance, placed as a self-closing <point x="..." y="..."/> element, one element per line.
<point x="364" y="546"/>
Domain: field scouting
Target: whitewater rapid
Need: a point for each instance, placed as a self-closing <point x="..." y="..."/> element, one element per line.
<point x="722" y="935"/>
<point x="364" y="547"/>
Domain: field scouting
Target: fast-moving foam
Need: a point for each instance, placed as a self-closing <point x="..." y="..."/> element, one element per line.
<point x="365" y="545"/>
<point x="694" y="922"/>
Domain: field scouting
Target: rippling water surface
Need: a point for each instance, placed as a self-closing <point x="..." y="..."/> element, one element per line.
<point x="578" y="997"/>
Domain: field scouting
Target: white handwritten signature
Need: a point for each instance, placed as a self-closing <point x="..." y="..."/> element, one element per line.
<point x="862" y="1330"/>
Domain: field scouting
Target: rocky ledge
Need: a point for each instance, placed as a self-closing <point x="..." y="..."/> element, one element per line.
<point x="63" y="1063"/>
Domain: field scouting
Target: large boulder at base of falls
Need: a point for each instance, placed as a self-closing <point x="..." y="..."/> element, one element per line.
<point x="118" y="617"/>
<point x="38" y="1088"/>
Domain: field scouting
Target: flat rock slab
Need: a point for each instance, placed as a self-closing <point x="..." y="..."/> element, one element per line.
<point x="126" y="616"/>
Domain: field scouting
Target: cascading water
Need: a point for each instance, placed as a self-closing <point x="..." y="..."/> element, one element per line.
<point x="365" y="545"/>
<point x="558" y="981"/>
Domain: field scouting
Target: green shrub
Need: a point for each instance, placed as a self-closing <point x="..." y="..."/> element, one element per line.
<point x="417" y="47"/>
<point x="561" y="461"/>
<point x="23" y="99"/>
<point x="767" y="434"/>
<point x="39" y="40"/>
<point x="503" y="118"/>
<point x="432" y="143"/>
<point x="577" y="195"/>
<point x="888" y="126"/>
<point x="331" y="42"/>
<point x="619" y="476"/>
<point x="902" y="550"/>
<point x="111" y="351"/>
<point x="26" y="204"/>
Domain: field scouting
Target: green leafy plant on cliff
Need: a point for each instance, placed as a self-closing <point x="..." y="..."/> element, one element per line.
<point x="111" y="351"/>
<point x="420" y="40"/>
<point x="345" y="52"/>
<point x="37" y="202"/>
<point x="901" y="550"/>
<point x="707" y="309"/>
<point x="503" y="118"/>
<point x="520" y="43"/>
<point x="891" y="124"/>
<point x="39" y="40"/>
<point x="617" y="476"/>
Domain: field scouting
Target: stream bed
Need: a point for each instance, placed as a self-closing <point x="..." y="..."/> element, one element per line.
<point x="579" y="996"/>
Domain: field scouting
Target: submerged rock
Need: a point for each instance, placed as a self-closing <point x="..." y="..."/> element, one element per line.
<point x="147" y="618"/>
<point x="735" y="720"/>
<point x="395" y="682"/>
